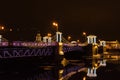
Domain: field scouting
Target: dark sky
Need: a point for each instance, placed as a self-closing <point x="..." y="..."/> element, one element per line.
<point x="27" y="17"/>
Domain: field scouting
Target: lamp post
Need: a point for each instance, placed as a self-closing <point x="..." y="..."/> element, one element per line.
<point x="56" y="25"/>
<point x="84" y="35"/>
<point x="2" y="29"/>
<point x="69" y="38"/>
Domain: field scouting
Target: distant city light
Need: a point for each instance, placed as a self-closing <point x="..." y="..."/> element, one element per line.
<point x="55" y="24"/>
<point x="78" y="41"/>
<point x="2" y="27"/>
<point x="69" y="37"/>
<point x="84" y="33"/>
<point x="84" y="78"/>
<point x="11" y="29"/>
<point x="49" y="34"/>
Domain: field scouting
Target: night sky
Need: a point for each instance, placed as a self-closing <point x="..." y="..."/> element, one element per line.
<point x="28" y="17"/>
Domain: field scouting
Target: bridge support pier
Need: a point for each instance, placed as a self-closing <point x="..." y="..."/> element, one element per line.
<point x="60" y="55"/>
<point x="94" y="50"/>
<point x="61" y="48"/>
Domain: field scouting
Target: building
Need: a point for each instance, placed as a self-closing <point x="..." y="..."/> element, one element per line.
<point x="38" y="37"/>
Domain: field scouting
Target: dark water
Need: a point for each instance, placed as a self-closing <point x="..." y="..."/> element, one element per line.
<point x="110" y="72"/>
<point x="51" y="72"/>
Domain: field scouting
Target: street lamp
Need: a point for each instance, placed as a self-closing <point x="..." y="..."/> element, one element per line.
<point x="84" y="34"/>
<point x="49" y="34"/>
<point x="56" y="25"/>
<point x="2" y="27"/>
<point x="69" y="37"/>
<point x="78" y="41"/>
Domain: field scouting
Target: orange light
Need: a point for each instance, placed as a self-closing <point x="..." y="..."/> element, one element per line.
<point x="2" y="27"/>
<point x="84" y="33"/>
<point x="78" y="40"/>
<point x="84" y="78"/>
<point x="69" y="37"/>
<point x="56" y="25"/>
<point x="10" y="29"/>
<point x="49" y="34"/>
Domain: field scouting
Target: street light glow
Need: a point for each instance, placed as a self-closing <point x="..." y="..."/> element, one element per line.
<point x="84" y="33"/>
<point x="2" y="27"/>
<point x="69" y="37"/>
<point x="56" y="25"/>
<point x="49" y="34"/>
<point x="11" y="29"/>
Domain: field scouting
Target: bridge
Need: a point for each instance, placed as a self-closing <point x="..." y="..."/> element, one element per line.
<point x="56" y="47"/>
<point x="49" y="46"/>
<point x="21" y="50"/>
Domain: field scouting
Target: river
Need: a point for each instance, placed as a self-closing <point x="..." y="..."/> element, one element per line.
<point x="72" y="70"/>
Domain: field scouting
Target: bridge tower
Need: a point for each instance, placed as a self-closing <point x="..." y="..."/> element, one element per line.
<point x="58" y="36"/>
<point x="91" y="39"/>
<point x="59" y="40"/>
<point x="103" y="45"/>
<point x="38" y="37"/>
<point x="47" y="39"/>
<point x="0" y="38"/>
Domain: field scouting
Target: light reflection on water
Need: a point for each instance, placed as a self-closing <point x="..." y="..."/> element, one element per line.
<point x="72" y="70"/>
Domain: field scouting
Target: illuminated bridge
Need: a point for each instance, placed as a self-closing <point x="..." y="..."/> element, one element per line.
<point x="49" y="46"/>
<point x="30" y="49"/>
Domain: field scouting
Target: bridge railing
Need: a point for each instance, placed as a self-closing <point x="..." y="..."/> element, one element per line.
<point x="69" y="44"/>
<point x="4" y="43"/>
<point x="77" y="44"/>
<point x="36" y="44"/>
<point x="28" y="44"/>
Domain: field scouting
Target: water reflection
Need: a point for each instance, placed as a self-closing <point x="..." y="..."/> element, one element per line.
<point x="44" y="72"/>
<point x="105" y="67"/>
<point x="46" y="75"/>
